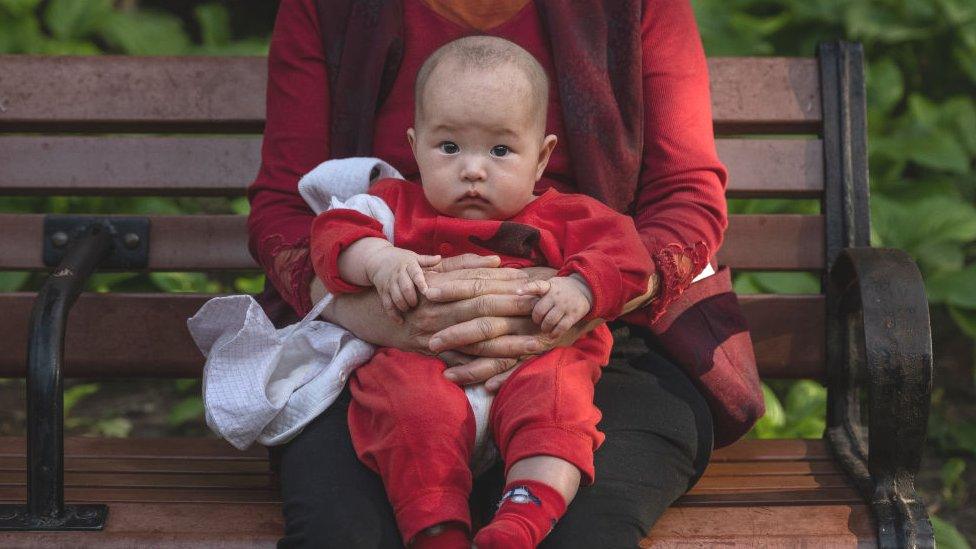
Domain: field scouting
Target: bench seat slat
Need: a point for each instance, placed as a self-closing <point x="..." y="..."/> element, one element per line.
<point x="144" y="335"/>
<point x="146" y="94"/>
<point x="816" y="506"/>
<point x="259" y="525"/>
<point x="219" y="242"/>
<point x="197" y="166"/>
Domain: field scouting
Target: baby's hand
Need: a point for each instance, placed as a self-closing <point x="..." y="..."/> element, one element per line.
<point x="397" y="274"/>
<point x="565" y="301"/>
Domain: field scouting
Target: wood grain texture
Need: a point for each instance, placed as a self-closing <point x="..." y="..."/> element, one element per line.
<point x="219" y="242"/>
<point x="165" y="496"/>
<point x="224" y="166"/>
<point x="226" y="94"/>
<point x="145" y="335"/>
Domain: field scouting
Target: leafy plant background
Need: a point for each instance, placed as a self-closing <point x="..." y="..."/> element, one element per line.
<point x="921" y="68"/>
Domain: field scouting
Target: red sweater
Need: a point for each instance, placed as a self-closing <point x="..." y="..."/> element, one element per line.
<point x="571" y="232"/>
<point x="679" y="211"/>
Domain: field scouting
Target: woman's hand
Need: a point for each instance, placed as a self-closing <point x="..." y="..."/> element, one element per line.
<point x="475" y="312"/>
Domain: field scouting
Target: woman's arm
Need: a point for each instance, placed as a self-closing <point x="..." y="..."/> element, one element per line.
<point x="295" y="141"/>
<point x="680" y="211"/>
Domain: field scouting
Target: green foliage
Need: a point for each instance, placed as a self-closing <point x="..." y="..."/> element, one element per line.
<point x="800" y="414"/>
<point x="947" y="536"/>
<point x="89" y="27"/>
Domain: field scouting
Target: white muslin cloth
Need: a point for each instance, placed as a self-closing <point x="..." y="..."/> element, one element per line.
<point x="262" y="384"/>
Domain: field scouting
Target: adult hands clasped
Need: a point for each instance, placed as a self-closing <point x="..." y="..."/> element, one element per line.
<point x="477" y="322"/>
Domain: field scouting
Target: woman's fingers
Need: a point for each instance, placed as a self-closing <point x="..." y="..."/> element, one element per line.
<point x="454" y="358"/>
<point x="510" y="346"/>
<point x="473" y="331"/>
<point x="467" y="261"/>
<point x="456" y="290"/>
<point x="494" y="383"/>
<point x="479" y="370"/>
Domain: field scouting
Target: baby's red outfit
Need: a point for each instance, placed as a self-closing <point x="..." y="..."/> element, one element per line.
<point x="405" y="418"/>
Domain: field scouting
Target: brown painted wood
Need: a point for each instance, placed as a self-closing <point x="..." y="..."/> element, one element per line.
<point x="209" y="166"/>
<point x="783" y="526"/>
<point x="226" y="94"/>
<point x="180" y="449"/>
<point x="144" y="335"/>
<point x="773" y="450"/>
<point x="743" y="504"/>
<point x="214" y="242"/>
<point x="130" y="166"/>
<point x="773" y="168"/>
<point x="260" y="525"/>
<point x="114" y="93"/>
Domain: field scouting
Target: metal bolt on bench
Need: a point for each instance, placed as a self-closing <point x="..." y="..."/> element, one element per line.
<point x="76" y="246"/>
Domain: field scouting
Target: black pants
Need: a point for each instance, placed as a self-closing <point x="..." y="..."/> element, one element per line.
<point x="659" y="437"/>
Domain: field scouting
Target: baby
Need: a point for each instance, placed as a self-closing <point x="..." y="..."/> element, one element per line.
<point x="480" y="144"/>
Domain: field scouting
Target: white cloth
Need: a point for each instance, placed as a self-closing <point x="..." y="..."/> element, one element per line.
<point x="262" y="384"/>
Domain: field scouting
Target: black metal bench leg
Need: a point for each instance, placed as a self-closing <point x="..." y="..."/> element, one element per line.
<point x="45" y="509"/>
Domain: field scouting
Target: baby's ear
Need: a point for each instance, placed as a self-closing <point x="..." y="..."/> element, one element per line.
<point x="548" y="144"/>
<point x="412" y="139"/>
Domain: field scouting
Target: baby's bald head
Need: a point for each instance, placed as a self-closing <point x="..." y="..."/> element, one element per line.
<point x="486" y="55"/>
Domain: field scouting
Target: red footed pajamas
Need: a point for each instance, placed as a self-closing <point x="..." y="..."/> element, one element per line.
<point x="413" y="426"/>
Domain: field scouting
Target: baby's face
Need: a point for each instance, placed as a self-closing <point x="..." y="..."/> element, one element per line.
<point x="479" y="146"/>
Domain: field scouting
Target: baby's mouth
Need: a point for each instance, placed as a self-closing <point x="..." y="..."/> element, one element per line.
<point x="472" y="200"/>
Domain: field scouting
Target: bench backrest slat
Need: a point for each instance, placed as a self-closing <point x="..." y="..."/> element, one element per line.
<point x="142" y="335"/>
<point x="214" y="242"/>
<point x="226" y="94"/>
<point x="224" y="166"/>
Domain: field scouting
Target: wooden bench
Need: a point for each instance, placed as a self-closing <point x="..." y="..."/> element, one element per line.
<point x="787" y="128"/>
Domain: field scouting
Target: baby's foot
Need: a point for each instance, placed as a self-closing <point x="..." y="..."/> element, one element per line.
<point x="442" y="536"/>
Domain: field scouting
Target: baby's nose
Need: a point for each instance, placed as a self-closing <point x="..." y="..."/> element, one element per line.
<point x="473" y="171"/>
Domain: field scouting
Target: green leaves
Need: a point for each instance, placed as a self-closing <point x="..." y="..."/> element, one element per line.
<point x="947" y="536"/>
<point x="799" y="415"/>
<point x="75" y="19"/>
<point x="145" y="33"/>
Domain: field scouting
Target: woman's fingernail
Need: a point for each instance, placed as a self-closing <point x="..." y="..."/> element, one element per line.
<point x="451" y="376"/>
<point x="533" y="347"/>
<point x="433" y="293"/>
<point x="434" y="343"/>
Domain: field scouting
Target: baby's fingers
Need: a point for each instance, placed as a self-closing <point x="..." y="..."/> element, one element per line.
<point x="419" y="280"/>
<point x="565" y="325"/>
<point x="552" y="319"/>
<point x="407" y="289"/>
<point x="398" y="300"/>
<point x="536" y="287"/>
<point x="542" y="308"/>
<point x="428" y="261"/>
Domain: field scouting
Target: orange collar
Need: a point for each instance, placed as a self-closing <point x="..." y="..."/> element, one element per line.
<point x="477" y="14"/>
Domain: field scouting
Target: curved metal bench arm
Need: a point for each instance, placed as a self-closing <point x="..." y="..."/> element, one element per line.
<point x="86" y="243"/>
<point x="879" y="340"/>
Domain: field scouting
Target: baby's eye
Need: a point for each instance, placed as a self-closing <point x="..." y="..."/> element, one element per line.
<point x="499" y="150"/>
<point x="448" y="147"/>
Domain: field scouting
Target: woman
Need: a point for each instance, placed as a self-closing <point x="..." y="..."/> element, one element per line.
<point x="630" y="102"/>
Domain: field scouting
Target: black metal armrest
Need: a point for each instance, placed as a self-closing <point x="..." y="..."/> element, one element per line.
<point x="879" y="341"/>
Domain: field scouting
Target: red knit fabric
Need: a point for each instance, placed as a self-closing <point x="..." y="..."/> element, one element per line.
<point x="679" y="209"/>
<point x="573" y="233"/>
<point x="528" y="512"/>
